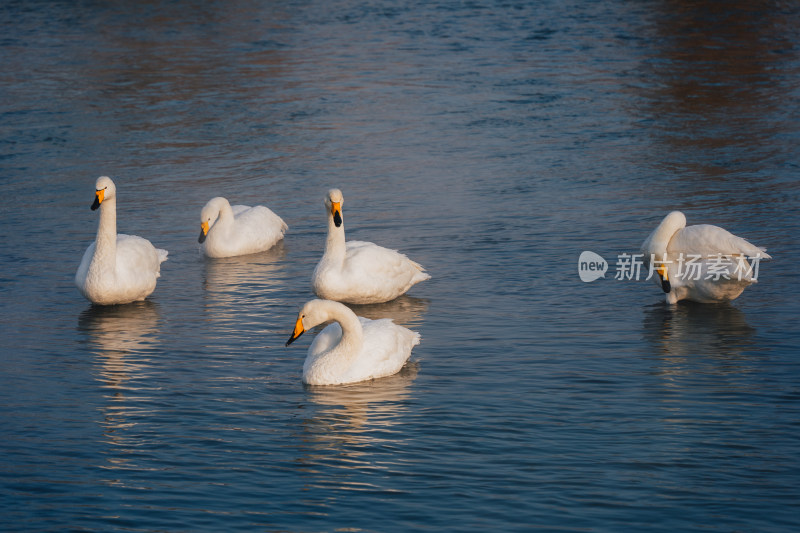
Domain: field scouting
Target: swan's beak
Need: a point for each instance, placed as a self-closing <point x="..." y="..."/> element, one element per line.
<point x="665" y="284"/>
<point x="298" y="330"/>
<point x="336" y="211"/>
<point x="98" y="198"/>
<point x="203" y="232"/>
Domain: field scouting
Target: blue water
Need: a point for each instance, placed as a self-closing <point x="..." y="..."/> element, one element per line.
<point x="492" y="142"/>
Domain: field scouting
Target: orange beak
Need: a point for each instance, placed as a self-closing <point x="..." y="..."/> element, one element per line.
<point x="298" y="330"/>
<point x="98" y="198"/>
<point x="336" y="211"/>
<point x="203" y="232"/>
<point x="666" y="286"/>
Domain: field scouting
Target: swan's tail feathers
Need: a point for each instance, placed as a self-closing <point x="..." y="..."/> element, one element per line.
<point x="162" y="255"/>
<point x="421" y="275"/>
<point x="416" y="339"/>
<point x="764" y="254"/>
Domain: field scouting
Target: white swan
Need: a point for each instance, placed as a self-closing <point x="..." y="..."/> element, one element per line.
<point x="116" y="269"/>
<point x="360" y="272"/>
<point x="226" y="231"/>
<point x="702" y="263"/>
<point x="353" y="348"/>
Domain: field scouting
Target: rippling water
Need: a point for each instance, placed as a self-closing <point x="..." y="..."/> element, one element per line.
<point x="493" y="142"/>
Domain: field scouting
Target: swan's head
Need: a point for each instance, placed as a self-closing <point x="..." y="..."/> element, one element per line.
<point x="656" y="243"/>
<point x="334" y="201"/>
<point x="313" y="313"/>
<point x="104" y="190"/>
<point x="209" y="215"/>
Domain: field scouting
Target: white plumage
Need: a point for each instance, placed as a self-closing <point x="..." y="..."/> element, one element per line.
<point x="239" y="230"/>
<point x="720" y="271"/>
<point x="353" y="348"/>
<point x="116" y="269"/>
<point x="360" y="272"/>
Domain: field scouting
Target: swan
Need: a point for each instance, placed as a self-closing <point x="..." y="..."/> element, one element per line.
<point x="226" y="231"/>
<point x="360" y="272"/>
<point x="353" y="348"/>
<point x="702" y="263"/>
<point x="116" y="269"/>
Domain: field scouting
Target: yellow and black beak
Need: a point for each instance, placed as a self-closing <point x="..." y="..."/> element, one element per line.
<point x="203" y="232"/>
<point x="98" y="198"/>
<point x="665" y="284"/>
<point x="336" y="211"/>
<point x="298" y="330"/>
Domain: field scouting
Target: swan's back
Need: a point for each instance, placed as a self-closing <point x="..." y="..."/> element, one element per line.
<point x="708" y="240"/>
<point x="260" y="225"/>
<point x="138" y="256"/>
<point x="386" y="348"/>
<point x="373" y="273"/>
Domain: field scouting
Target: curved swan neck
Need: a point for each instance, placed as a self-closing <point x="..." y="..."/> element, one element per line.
<point x="225" y="215"/>
<point x="225" y="212"/>
<point x="658" y="241"/>
<point x="352" y="332"/>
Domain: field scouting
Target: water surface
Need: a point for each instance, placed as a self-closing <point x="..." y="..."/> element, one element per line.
<point x="493" y="142"/>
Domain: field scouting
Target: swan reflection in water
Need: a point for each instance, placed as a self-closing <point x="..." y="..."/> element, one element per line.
<point x="698" y="334"/>
<point x="404" y="310"/>
<point x="350" y="423"/>
<point x="124" y="337"/>
<point x="124" y="340"/>
<point x="234" y="284"/>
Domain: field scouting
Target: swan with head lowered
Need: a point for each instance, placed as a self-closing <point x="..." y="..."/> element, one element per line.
<point x="360" y="272"/>
<point x="116" y="269"/>
<point x="353" y="348"/>
<point x="702" y="263"/>
<point x="227" y="231"/>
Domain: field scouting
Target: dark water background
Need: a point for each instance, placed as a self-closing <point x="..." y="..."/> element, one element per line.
<point x="491" y="141"/>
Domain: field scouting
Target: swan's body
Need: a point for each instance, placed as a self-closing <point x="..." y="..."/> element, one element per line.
<point x="117" y="269"/>
<point x="353" y="348"/>
<point x="360" y="272"/>
<point x="715" y="254"/>
<point x="239" y="230"/>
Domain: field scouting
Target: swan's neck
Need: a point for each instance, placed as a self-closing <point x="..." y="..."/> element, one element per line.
<point x="225" y="214"/>
<point x="106" y="241"/>
<point x="658" y="241"/>
<point x="330" y="366"/>
<point x="352" y="335"/>
<point x="335" y="248"/>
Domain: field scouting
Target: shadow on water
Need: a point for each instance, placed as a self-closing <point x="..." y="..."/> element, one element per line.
<point x="691" y="330"/>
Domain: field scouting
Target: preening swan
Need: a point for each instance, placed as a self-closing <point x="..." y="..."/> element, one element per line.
<point x="353" y="348"/>
<point x="116" y="269"/>
<point x="226" y="231"/>
<point x="360" y="272"/>
<point x="702" y="263"/>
